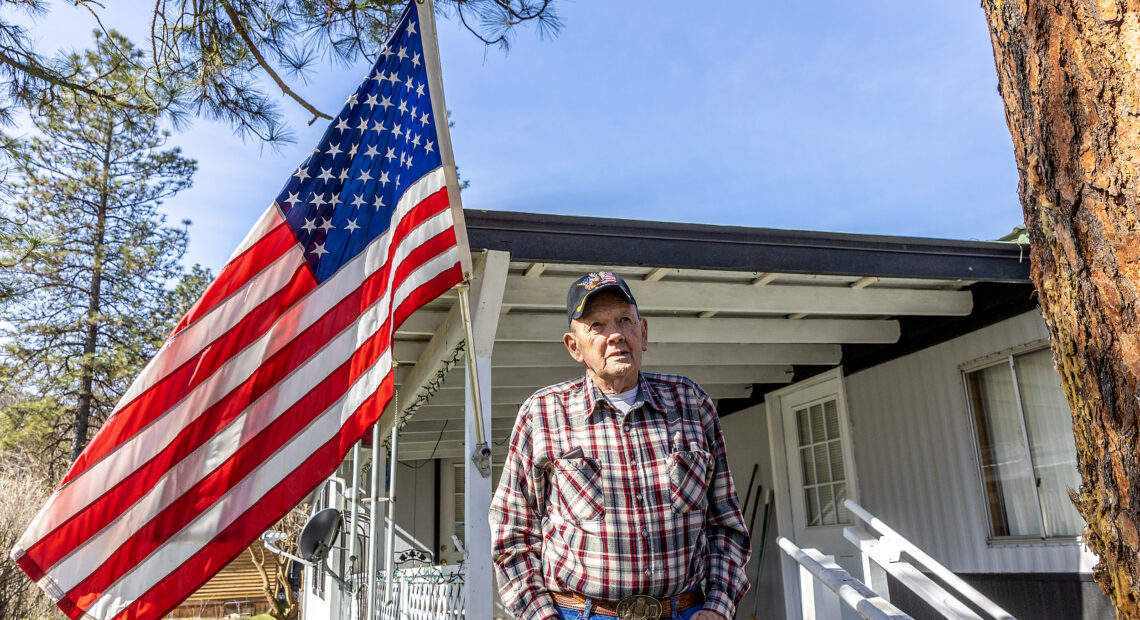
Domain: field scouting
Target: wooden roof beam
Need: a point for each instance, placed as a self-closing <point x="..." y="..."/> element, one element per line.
<point x="519" y="327"/>
<point x="538" y="377"/>
<point x="549" y="293"/>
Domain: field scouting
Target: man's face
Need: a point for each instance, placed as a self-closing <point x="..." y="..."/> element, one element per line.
<point x="609" y="338"/>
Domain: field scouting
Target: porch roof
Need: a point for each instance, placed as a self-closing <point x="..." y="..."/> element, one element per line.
<point x="740" y="310"/>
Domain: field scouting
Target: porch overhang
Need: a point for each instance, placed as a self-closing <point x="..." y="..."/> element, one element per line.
<point x="740" y="310"/>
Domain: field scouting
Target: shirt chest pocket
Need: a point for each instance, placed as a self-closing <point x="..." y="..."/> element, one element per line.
<point x="689" y="480"/>
<point x="578" y="485"/>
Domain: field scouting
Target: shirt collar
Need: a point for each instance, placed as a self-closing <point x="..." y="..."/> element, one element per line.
<point x="646" y="395"/>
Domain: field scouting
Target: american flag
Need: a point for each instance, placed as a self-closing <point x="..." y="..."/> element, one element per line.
<point x="272" y="376"/>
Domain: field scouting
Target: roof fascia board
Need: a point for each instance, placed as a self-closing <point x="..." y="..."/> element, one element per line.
<point x="610" y="241"/>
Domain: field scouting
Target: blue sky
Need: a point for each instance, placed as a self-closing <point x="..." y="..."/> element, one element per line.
<point x="869" y="117"/>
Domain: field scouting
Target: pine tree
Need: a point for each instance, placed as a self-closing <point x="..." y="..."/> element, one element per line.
<point x="94" y="283"/>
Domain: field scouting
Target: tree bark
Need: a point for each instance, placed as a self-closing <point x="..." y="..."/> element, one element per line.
<point x="1069" y="75"/>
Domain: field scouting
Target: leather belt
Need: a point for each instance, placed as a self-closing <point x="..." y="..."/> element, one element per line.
<point x="636" y="607"/>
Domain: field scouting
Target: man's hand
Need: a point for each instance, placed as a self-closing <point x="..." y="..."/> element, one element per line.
<point x="705" y="614"/>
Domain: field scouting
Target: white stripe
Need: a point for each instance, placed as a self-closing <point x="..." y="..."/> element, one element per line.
<point x="442" y="262"/>
<point x="190" y="341"/>
<point x="208" y="457"/>
<point x="269" y="220"/>
<point x="155" y="437"/>
<point x="136" y="451"/>
<point x="221" y="447"/>
<point x="180" y="547"/>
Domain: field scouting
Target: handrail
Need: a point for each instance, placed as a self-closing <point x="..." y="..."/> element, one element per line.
<point x="920" y="556"/>
<point x="850" y="590"/>
<point x="887" y="556"/>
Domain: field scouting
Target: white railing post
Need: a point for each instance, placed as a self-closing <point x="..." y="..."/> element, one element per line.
<point x="807" y="594"/>
<point x="854" y="593"/>
<point x="373" y="524"/>
<point x="390" y="538"/>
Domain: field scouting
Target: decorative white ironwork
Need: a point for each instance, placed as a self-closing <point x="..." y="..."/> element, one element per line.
<point x="425" y="593"/>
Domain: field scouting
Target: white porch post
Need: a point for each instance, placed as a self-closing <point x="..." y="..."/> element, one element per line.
<point x="486" y="301"/>
<point x="390" y="528"/>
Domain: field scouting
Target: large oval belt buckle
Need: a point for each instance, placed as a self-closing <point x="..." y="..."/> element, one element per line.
<point x="639" y="607"/>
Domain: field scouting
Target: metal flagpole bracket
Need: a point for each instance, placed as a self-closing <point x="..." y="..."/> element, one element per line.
<point x="482" y="459"/>
<point x="481" y="456"/>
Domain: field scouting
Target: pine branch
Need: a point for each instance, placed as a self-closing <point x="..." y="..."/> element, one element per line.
<point x="235" y="20"/>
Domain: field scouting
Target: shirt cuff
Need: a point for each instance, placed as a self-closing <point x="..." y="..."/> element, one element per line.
<point x="541" y="607"/>
<point x="720" y="602"/>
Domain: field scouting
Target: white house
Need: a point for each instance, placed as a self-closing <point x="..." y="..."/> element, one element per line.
<point x="909" y="375"/>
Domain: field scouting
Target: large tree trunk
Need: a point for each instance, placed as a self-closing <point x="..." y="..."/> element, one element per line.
<point x="1069" y="74"/>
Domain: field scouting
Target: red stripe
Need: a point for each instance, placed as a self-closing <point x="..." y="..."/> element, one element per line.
<point x="213" y="487"/>
<point x="428" y="291"/>
<point x="140" y="483"/>
<point x="160" y="397"/>
<point x="424" y="252"/>
<point x="157" y="399"/>
<point x="237" y="272"/>
<point x="197" y="570"/>
<point x="29" y="566"/>
<point x="93" y="517"/>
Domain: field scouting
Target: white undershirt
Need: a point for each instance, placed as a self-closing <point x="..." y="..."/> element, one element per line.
<point x="623" y="402"/>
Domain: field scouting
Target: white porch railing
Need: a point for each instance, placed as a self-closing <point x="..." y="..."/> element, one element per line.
<point x="425" y="593"/>
<point x="886" y="551"/>
<point x="851" y="591"/>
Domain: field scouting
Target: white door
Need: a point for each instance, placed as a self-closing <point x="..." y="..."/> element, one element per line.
<point x="819" y="475"/>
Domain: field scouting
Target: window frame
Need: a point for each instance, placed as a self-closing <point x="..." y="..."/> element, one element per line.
<point x="1008" y="358"/>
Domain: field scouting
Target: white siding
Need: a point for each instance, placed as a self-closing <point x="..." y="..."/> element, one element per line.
<point x="415" y="507"/>
<point x="916" y="459"/>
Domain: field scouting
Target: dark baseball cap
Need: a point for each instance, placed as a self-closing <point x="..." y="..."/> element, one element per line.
<point x="591" y="284"/>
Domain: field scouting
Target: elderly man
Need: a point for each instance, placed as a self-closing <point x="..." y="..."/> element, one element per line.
<point x="616" y="500"/>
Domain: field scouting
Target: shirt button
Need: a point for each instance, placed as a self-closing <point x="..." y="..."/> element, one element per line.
<point x="644" y="534"/>
<point x="647" y="572"/>
<point x="638" y="497"/>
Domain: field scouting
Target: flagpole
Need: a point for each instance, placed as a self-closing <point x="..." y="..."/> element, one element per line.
<point x="426" y="12"/>
<point x="481" y="455"/>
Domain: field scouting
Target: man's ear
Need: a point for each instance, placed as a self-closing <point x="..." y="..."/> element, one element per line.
<point x="572" y="346"/>
<point x="644" y="334"/>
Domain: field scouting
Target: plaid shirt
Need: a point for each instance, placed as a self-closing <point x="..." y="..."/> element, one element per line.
<point x="607" y="505"/>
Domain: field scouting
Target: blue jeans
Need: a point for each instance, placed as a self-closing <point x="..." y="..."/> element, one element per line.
<point x="565" y="613"/>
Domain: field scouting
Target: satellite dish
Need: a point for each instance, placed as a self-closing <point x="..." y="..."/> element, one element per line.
<point x="318" y="535"/>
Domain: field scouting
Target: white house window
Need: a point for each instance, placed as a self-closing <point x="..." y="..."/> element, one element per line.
<point x="821" y="461"/>
<point x="1025" y="443"/>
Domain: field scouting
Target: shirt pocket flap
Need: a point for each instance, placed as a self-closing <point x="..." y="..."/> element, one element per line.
<point x="689" y="479"/>
<point x="578" y="485"/>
